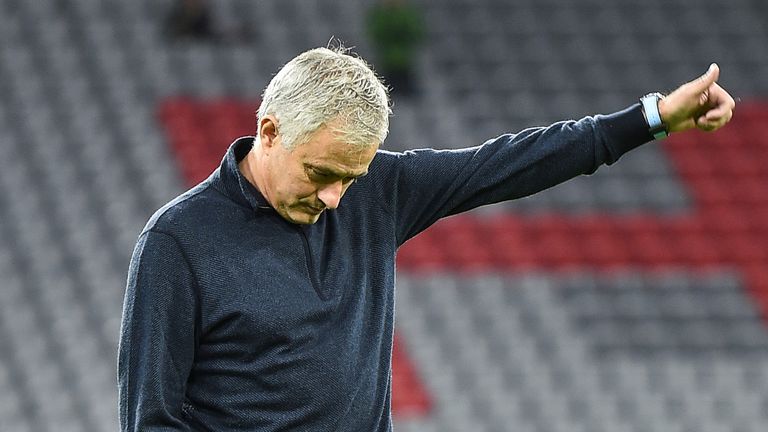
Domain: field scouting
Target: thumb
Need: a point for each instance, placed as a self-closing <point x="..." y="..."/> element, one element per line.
<point x="702" y="83"/>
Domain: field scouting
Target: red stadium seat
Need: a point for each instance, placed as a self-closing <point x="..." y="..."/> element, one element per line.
<point x="409" y="397"/>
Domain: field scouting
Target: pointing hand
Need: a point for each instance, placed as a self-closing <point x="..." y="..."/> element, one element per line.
<point x="700" y="103"/>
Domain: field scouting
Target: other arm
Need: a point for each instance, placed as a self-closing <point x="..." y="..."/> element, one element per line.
<point x="157" y="336"/>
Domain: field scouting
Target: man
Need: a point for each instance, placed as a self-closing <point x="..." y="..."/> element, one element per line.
<point x="260" y="300"/>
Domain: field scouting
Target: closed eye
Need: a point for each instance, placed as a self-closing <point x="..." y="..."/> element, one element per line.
<point x="319" y="175"/>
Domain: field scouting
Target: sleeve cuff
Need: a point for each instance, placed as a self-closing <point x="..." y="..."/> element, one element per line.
<point x="624" y="130"/>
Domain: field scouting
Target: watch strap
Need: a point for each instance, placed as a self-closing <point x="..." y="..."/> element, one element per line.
<point x="656" y="127"/>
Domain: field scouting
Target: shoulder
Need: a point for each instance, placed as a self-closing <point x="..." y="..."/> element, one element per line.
<point x="196" y="210"/>
<point x="387" y="161"/>
<point x="383" y="170"/>
<point x="383" y="160"/>
<point x="394" y="171"/>
<point x="390" y="164"/>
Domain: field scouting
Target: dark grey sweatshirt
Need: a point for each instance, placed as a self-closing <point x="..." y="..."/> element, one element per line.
<point x="236" y="320"/>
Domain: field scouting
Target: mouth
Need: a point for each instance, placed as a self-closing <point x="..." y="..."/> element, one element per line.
<point x="315" y="210"/>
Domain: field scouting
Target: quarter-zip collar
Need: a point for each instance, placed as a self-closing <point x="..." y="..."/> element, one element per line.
<point x="235" y="184"/>
<point x="239" y="189"/>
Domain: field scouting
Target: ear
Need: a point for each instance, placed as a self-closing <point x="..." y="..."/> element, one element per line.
<point x="268" y="132"/>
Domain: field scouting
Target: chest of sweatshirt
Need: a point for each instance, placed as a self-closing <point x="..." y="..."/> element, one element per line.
<point x="265" y="282"/>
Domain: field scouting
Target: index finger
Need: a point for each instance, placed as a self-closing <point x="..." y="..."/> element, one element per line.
<point x="720" y="101"/>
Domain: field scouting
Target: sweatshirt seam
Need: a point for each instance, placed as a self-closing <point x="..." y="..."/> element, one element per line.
<point x="375" y="189"/>
<point x="391" y="217"/>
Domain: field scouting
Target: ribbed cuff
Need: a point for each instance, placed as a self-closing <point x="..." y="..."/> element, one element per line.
<point x="625" y="130"/>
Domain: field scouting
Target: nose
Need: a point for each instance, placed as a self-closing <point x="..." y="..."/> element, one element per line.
<point x="330" y="194"/>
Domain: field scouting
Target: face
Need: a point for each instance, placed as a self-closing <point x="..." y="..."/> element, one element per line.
<point x="302" y="182"/>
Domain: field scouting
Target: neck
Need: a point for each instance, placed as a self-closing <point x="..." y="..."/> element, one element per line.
<point x="248" y="166"/>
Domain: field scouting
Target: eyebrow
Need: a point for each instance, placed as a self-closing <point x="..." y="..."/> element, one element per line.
<point x="333" y="172"/>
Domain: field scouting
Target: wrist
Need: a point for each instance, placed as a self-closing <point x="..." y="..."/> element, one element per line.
<point x="652" y="111"/>
<point x="664" y="111"/>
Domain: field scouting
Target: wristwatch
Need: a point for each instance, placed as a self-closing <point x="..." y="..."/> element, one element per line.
<point x="656" y="127"/>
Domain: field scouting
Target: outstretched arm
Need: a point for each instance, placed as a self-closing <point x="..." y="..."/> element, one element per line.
<point x="424" y="185"/>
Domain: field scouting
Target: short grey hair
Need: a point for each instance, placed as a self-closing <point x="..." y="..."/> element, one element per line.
<point x="328" y="87"/>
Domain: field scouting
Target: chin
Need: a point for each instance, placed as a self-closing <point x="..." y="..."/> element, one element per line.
<point x="302" y="218"/>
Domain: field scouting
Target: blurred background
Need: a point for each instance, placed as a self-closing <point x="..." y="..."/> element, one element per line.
<point x="634" y="300"/>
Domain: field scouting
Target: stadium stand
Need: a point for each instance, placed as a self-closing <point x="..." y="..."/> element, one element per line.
<point x="634" y="300"/>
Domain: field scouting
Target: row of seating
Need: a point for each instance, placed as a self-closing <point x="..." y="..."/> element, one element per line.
<point x="505" y="350"/>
